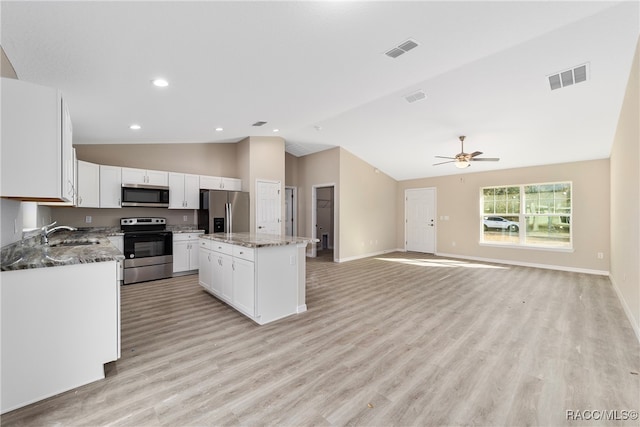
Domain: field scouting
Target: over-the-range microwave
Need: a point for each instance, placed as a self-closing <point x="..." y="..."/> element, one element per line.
<point x="141" y="195"/>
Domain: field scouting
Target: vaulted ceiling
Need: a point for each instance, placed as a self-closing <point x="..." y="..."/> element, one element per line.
<point x="318" y="73"/>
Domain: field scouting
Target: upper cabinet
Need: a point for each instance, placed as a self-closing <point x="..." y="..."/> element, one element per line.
<point x="184" y="191"/>
<point x="220" y="183"/>
<point x="88" y="185"/>
<point x="110" y="186"/>
<point x="144" y="177"/>
<point x="37" y="150"/>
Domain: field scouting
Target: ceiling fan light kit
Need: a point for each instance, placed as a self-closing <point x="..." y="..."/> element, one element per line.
<point x="463" y="160"/>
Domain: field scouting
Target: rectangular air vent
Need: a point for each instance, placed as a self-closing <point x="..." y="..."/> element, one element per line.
<point x="567" y="78"/>
<point x="415" y="96"/>
<point x="259" y="124"/>
<point x="403" y="47"/>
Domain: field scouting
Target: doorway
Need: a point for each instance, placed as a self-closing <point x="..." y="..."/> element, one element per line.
<point x="291" y="211"/>
<point x="420" y="224"/>
<point x="323" y="219"/>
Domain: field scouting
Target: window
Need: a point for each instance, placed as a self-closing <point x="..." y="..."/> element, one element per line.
<point x="537" y="215"/>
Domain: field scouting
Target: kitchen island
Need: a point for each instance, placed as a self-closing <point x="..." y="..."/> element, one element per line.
<point x="261" y="276"/>
<point x="60" y="315"/>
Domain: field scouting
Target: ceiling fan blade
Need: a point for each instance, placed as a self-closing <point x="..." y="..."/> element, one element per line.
<point x="442" y="163"/>
<point x="475" y="153"/>
<point x="485" y="159"/>
<point x="443" y="157"/>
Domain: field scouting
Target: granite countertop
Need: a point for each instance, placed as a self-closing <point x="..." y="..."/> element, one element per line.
<point x="252" y="240"/>
<point x="183" y="229"/>
<point x="30" y="253"/>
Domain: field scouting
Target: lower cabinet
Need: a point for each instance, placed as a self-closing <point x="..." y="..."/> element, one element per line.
<point x="185" y="252"/>
<point x="60" y="325"/>
<point x="262" y="283"/>
<point x="244" y="289"/>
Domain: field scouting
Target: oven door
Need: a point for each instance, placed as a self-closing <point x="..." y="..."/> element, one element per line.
<point x="147" y="248"/>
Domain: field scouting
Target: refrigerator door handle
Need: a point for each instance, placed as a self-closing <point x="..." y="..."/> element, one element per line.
<point x="229" y="218"/>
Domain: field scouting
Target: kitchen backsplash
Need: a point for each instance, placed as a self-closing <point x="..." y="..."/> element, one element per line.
<point x="80" y="217"/>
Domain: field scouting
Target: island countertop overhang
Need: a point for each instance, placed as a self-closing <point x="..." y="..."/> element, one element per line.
<point x="255" y="240"/>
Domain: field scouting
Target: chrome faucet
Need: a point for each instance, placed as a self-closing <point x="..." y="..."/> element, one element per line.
<point x="46" y="231"/>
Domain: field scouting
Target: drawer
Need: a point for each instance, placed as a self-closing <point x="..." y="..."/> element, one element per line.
<point x="244" y="253"/>
<point x="206" y="244"/>
<point x="223" y="248"/>
<point x="181" y="237"/>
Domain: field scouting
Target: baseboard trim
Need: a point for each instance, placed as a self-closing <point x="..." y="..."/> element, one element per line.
<point x="370" y="254"/>
<point x="301" y="308"/>
<point x="625" y="307"/>
<point x="527" y="264"/>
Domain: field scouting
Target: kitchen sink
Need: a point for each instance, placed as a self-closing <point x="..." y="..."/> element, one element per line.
<point x="82" y="243"/>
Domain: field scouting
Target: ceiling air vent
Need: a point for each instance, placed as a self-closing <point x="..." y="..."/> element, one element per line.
<point x="259" y="124"/>
<point x="415" y="96"/>
<point x="569" y="77"/>
<point x="403" y="47"/>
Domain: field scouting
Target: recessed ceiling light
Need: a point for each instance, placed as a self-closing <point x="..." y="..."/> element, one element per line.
<point x="160" y="82"/>
<point x="318" y="127"/>
<point x="219" y="129"/>
<point x="276" y="130"/>
<point x="135" y="127"/>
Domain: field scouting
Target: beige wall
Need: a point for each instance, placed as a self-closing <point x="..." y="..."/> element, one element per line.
<point x="458" y="198"/>
<point x="625" y="201"/>
<point x="200" y="159"/>
<point x="317" y="169"/>
<point x="291" y="170"/>
<point x="266" y="162"/>
<point x="367" y="211"/>
<point x="75" y="217"/>
<point x="6" y="68"/>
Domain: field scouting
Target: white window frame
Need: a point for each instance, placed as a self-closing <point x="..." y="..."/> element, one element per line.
<point x="522" y="215"/>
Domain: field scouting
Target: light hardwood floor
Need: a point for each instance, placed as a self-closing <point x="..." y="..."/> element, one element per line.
<point x="401" y="339"/>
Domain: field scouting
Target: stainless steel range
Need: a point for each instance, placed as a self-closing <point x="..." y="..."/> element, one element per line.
<point x="148" y="249"/>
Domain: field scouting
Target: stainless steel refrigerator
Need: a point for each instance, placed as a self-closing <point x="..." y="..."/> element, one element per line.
<point x="223" y="211"/>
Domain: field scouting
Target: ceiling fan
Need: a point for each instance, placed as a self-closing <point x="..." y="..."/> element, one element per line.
<point x="462" y="159"/>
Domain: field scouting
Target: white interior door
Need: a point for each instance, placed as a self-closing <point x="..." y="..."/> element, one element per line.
<point x="268" y="207"/>
<point x="420" y="215"/>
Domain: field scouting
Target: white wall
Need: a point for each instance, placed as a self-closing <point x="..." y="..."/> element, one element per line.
<point x="625" y="201"/>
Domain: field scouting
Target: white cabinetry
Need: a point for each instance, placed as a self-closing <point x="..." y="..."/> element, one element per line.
<point x="110" y="186"/>
<point x="60" y="326"/>
<point x="244" y="287"/>
<point x="185" y="252"/>
<point x="263" y="283"/>
<point x="37" y="149"/>
<point x="184" y="191"/>
<point x="148" y="177"/>
<point x="88" y="185"/>
<point x="220" y="183"/>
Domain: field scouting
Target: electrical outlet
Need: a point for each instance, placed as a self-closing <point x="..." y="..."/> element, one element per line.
<point x="453" y="243"/>
<point x="88" y="219"/>
<point x="600" y="255"/>
<point x="184" y="218"/>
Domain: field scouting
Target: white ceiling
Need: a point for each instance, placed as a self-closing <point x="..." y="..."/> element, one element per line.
<point x="317" y="72"/>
